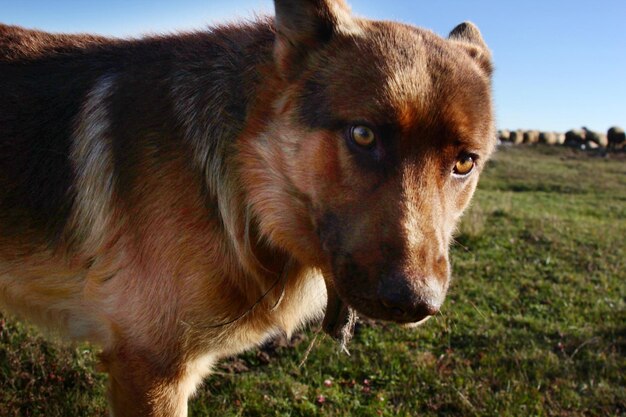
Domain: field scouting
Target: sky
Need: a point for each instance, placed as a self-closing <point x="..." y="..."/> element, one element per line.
<point x="559" y="64"/>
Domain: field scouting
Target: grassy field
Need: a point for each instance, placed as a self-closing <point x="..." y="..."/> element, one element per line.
<point x="535" y="323"/>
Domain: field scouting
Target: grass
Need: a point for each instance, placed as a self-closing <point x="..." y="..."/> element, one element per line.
<point x="535" y="323"/>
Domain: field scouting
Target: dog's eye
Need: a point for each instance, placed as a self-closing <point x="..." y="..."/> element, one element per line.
<point x="363" y="136"/>
<point x="464" y="165"/>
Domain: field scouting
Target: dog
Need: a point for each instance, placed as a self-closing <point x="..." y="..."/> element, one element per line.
<point x="179" y="199"/>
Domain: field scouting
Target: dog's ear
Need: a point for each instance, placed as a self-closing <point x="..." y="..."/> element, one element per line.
<point x="304" y="25"/>
<point x="468" y="36"/>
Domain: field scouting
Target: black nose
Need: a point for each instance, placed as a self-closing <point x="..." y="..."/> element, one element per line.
<point x="407" y="300"/>
<point x="403" y="309"/>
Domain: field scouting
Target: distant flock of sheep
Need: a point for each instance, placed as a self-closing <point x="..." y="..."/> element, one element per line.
<point x="583" y="138"/>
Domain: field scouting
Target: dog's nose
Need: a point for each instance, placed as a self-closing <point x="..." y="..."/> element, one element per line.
<point x="404" y="309"/>
<point x="408" y="301"/>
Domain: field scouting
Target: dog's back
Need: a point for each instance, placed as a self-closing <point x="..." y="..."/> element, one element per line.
<point x="47" y="82"/>
<point x="43" y="82"/>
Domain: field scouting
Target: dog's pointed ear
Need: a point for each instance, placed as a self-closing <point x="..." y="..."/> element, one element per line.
<point x="304" y="25"/>
<point x="468" y="36"/>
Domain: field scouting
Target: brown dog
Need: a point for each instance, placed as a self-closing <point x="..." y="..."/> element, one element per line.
<point x="180" y="199"/>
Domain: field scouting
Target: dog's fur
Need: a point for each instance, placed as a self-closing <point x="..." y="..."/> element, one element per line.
<point x="182" y="198"/>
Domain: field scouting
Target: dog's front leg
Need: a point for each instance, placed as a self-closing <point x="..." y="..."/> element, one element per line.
<point x="138" y="387"/>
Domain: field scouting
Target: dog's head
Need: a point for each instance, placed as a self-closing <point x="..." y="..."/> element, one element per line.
<point x="377" y="139"/>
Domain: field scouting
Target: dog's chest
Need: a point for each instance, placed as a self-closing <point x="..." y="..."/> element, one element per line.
<point x="301" y="303"/>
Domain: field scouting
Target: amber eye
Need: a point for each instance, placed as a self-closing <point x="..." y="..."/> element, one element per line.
<point x="464" y="165"/>
<point x="363" y="136"/>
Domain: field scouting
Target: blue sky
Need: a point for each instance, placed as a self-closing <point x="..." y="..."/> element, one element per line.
<point x="559" y="64"/>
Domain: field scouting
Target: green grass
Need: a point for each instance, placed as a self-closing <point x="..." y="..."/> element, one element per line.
<point x="535" y="323"/>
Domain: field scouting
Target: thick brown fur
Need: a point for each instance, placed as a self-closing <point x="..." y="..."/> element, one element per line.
<point x="179" y="199"/>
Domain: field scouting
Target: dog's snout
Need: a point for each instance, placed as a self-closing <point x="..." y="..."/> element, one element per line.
<point x="409" y="299"/>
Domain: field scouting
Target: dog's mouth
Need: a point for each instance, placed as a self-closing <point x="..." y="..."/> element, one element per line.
<point x="339" y="319"/>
